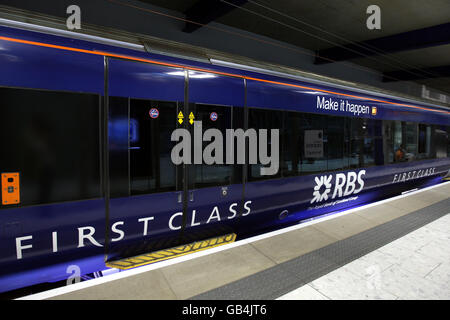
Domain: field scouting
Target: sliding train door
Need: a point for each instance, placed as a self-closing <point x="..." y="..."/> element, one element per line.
<point x="157" y="201"/>
<point x="214" y="187"/>
<point x="145" y="186"/>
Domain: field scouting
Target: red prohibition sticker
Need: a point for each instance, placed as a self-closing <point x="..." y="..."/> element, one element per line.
<point x="213" y="116"/>
<point x="154" y="113"/>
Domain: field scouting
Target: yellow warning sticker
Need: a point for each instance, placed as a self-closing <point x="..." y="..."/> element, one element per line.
<point x="166" y="254"/>
<point x="180" y="117"/>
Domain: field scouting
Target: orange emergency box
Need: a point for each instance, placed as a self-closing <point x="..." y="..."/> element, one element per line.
<point x="10" y="188"/>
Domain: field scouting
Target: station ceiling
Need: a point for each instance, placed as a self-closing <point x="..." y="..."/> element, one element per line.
<point x="413" y="43"/>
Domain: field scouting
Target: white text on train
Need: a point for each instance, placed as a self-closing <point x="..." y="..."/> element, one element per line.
<point x="86" y="233"/>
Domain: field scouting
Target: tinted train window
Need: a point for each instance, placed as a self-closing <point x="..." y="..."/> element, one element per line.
<point x="366" y="148"/>
<point x="409" y="141"/>
<point x="396" y="141"/>
<point x="314" y="140"/>
<point x="314" y="143"/>
<point x="424" y="148"/>
<point x="410" y="134"/>
<point x="219" y="173"/>
<point x="292" y="145"/>
<point x="305" y="145"/>
<point x="52" y="139"/>
<point x="150" y="146"/>
<point x="448" y="141"/>
<point x="335" y="143"/>
<point x="118" y="146"/>
<point x="264" y="119"/>
<point x="440" y="141"/>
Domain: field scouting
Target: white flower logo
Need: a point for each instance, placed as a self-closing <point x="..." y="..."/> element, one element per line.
<point x="323" y="181"/>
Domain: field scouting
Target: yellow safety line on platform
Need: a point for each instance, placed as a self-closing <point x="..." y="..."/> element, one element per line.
<point x="165" y="254"/>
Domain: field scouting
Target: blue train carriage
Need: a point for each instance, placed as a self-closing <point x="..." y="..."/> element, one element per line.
<point x="87" y="173"/>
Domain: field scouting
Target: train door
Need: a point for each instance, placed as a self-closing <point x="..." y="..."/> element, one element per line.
<point x="214" y="187"/>
<point x="145" y="186"/>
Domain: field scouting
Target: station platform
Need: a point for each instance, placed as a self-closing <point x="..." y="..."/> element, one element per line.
<point x="397" y="248"/>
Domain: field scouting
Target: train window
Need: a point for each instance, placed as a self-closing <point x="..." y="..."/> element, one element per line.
<point x="424" y="148"/>
<point x="334" y="138"/>
<point x="422" y="139"/>
<point x="238" y="122"/>
<point x="409" y="141"/>
<point x="60" y="132"/>
<point x="398" y="146"/>
<point x="151" y="124"/>
<point x="448" y="141"/>
<point x="264" y="119"/>
<point x="314" y="143"/>
<point x="399" y="141"/>
<point x="440" y="141"/>
<point x="388" y="148"/>
<point x="366" y="146"/>
<point x="375" y="133"/>
<point x="314" y="140"/>
<point x="410" y="134"/>
<point x="118" y="147"/>
<point x="217" y="174"/>
<point x="292" y="144"/>
<point x="357" y="136"/>
<point x="317" y="143"/>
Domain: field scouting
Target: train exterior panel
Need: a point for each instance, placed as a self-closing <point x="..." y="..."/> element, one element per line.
<point x="97" y="180"/>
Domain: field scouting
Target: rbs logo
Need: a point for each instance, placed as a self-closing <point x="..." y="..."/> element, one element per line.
<point x="344" y="185"/>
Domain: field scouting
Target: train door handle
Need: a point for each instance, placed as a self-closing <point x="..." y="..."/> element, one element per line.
<point x="191" y="196"/>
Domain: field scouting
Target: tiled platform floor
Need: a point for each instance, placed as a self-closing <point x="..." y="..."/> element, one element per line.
<point x="416" y="266"/>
